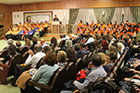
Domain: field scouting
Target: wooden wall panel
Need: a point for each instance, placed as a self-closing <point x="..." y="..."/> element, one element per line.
<point x="67" y="4"/>
<point x="7" y="21"/>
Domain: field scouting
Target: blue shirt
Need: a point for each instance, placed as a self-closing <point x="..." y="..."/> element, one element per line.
<point x="44" y="74"/>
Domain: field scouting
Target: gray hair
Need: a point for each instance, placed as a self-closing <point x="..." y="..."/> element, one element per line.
<point x="38" y="48"/>
<point x="10" y="41"/>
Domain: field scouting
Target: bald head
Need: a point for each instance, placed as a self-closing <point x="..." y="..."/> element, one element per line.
<point x="42" y="41"/>
<point x="38" y="48"/>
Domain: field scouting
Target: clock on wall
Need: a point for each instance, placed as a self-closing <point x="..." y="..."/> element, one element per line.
<point x="1" y="15"/>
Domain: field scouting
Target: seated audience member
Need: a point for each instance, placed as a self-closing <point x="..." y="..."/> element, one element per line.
<point x="111" y="57"/>
<point x="45" y="72"/>
<point x="71" y="55"/>
<point x="27" y="43"/>
<point x="34" y="41"/>
<point x="61" y="58"/>
<point x="89" y="47"/>
<point x="9" y="42"/>
<point x="68" y="43"/>
<point x="96" y="71"/>
<point x="42" y="42"/>
<point x="90" y="39"/>
<point x="79" y="37"/>
<point x="83" y="49"/>
<point x="62" y="46"/>
<point x="18" y="44"/>
<point x="104" y="58"/>
<point x="31" y="61"/>
<point x="125" y="41"/>
<point x="53" y="43"/>
<point x="78" y="53"/>
<point x="11" y="52"/>
<point x="114" y="48"/>
<point x="97" y="44"/>
<point x="46" y="49"/>
<point x="59" y="40"/>
<point x="104" y="44"/>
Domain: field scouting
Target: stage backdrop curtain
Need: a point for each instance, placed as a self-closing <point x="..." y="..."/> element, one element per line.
<point x="73" y="16"/>
<point x="136" y="13"/>
<point x="108" y="14"/>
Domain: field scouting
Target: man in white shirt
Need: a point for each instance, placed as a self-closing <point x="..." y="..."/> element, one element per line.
<point x="90" y="39"/>
<point x="42" y="42"/>
<point x="32" y="60"/>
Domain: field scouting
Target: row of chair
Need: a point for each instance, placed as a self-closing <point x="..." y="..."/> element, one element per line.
<point x="8" y="69"/>
<point x="63" y="74"/>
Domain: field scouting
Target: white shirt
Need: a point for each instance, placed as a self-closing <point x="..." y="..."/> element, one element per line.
<point x="33" y="60"/>
<point x="44" y="45"/>
<point x="90" y="40"/>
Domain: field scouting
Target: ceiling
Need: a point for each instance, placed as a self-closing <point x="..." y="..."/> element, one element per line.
<point x="24" y="1"/>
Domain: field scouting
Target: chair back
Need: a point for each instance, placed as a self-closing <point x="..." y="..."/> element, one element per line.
<point x="70" y="68"/>
<point x="25" y="56"/>
<point x="56" y="81"/>
<point x="32" y="48"/>
<point x="85" y="61"/>
<point x="17" y="59"/>
<point x="40" y="63"/>
<point x="4" y="53"/>
<point x="23" y="50"/>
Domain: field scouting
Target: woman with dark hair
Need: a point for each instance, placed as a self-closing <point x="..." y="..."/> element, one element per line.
<point x="45" y="72"/>
<point x="11" y="52"/>
<point x="53" y="43"/>
<point x="62" y="46"/>
<point x="34" y="41"/>
<point x="46" y="49"/>
<point x="71" y="55"/>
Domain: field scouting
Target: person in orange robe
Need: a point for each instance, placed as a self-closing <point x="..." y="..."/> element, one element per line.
<point x="80" y="24"/>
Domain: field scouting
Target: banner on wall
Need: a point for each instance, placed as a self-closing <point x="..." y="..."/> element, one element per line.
<point x="41" y="16"/>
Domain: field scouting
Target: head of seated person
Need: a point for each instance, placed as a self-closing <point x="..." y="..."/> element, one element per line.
<point x="27" y="42"/>
<point x="18" y="44"/>
<point x="34" y="40"/>
<point x="76" y="47"/>
<point x="50" y="58"/>
<point x="10" y="42"/>
<point x="61" y="58"/>
<point x="53" y="41"/>
<point x="46" y="49"/>
<point x="111" y="57"/>
<point x="37" y="48"/>
<point x="12" y="50"/>
<point x="71" y="55"/>
<point x="96" y="61"/>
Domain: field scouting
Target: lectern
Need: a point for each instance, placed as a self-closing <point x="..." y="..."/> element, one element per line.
<point x="55" y="26"/>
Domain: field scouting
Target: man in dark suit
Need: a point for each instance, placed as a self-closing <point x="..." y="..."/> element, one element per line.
<point x="55" y="19"/>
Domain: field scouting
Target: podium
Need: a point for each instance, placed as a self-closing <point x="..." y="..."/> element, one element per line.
<point x="55" y="26"/>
